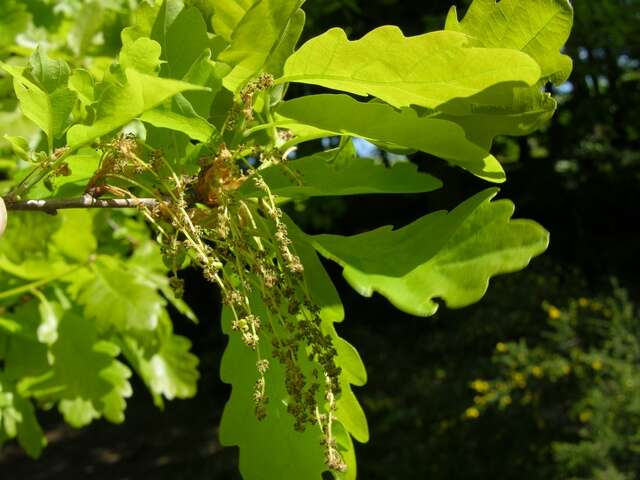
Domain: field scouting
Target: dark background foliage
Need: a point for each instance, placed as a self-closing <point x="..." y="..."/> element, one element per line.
<point x="578" y="177"/>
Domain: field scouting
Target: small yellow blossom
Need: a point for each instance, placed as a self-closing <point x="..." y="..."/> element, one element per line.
<point x="585" y="416"/>
<point x="501" y="347"/>
<point x="519" y="379"/>
<point x="566" y="369"/>
<point x="537" y="372"/>
<point x="583" y="302"/>
<point x="553" y="312"/>
<point x="505" y="401"/>
<point x="480" y="386"/>
<point x="479" y="400"/>
<point x="596" y="365"/>
<point x="472" y="413"/>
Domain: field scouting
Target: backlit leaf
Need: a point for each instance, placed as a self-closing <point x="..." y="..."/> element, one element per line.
<point x="447" y="256"/>
<point x="266" y="28"/>
<point x="344" y="115"/>
<point x="122" y="103"/>
<point x="539" y="28"/>
<point x="426" y="70"/>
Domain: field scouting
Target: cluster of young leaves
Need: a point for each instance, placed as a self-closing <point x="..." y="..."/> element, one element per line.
<point x="194" y="99"/>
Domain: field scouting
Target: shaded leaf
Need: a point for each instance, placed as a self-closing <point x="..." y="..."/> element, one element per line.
<point x="18" y="419"/>
<point x="182" y="118"/>
<point x="85" y="379"/>
<point x="170" y="370"/>
<point x="118" y="298"/>
<point x="340" y="172"/>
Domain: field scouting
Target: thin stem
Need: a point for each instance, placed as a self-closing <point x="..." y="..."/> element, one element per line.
<point x="52" y="205"/>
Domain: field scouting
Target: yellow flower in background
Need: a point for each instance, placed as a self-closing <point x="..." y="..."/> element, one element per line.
<point x="583" y="302"/>
<point x="553" y="312"/>
<point x="480" y="386"/>
<point x="585" y="416"/>
<point x="519" y="379"/>
<point x="472" y="413"/>
<point x="501" y="347"/>
<point x="505" y="401"/>
<point x="537" y="372"/>
<point x="596" y="365"/>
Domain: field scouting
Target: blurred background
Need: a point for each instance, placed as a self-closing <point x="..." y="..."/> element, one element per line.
<point x="540" y="380"/>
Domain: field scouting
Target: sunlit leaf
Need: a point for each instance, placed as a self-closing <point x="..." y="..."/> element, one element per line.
<point x="445" y="256"/>
<point x="539" y="28"/>
<point x="250" y="52"/>
<point x="427" y="70"/>
<point x="122" y="103"/>
<point x="344" y="115"/>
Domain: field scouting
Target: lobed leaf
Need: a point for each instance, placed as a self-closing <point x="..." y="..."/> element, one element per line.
<point x="426" y="70"/>
<point x="538" y="28"/>
<point x="121" y="103"/>
<point x="170" y="370"/>
<point x="227" y="14"/>
<point x="117" y="298"/>
<point x="18" y="419"/>
<point x="85" y="390"/>
<point x="42" y="91"/>
<point x="374" y="121"/>
<point x="447" y="256"/>
<point x="262" y="40"/>
<point x="340" y="172"/>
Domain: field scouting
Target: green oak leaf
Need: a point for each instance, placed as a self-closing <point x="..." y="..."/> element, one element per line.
<point x="36" y="247"/>
<point x="170" y="370"/>
<point x="42" y="91"/>
<point x="82" y="167"/>
<point x="500" y="111"/>
<point x="182" y="32"/>
<point x="181" y="118"/>
<point x="117" y="297"/>
<point x="227" y="15"/>
<point x="14" y="19"/>
<point x="141" y="54"/>
<point x="539" y="28"/>
<point x="84" y="378"/>
<point x="48" y="73"/>
<point x="268" y="31"/>
<point x="376" y="121"/>
<point x="83" y="84"/>
<point x="424" y="70"/>
<point x="447" y="256"/>
<point x="121" y="103"/>
<point x="209" y="74"/>
<point x="272" y="448"/>
<point x="18" y="419"/>
<point x="340" y="172"/>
